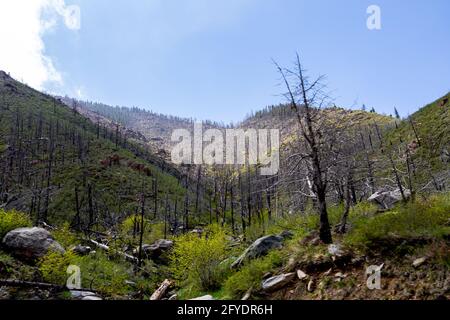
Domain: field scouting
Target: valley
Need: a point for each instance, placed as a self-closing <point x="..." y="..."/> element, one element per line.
<point x="93" y="186"/>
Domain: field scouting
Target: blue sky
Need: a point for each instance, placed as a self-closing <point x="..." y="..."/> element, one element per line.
<point x="212" y="59"/>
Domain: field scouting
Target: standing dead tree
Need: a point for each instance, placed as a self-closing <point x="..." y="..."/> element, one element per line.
<point x="318" y="137"/>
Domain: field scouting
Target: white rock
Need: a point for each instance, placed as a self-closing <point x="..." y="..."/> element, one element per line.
<point x="340" y="275"/>
<point x="335" y="250"/>
<point x="81" y="294"/>
<point x="301" y="275"/>
<point x="206" y="297"/>
<point x="92" y="298"/>
<point x="419" y="262"/>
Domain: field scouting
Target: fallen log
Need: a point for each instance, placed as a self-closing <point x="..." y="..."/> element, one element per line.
<point x="41" y="285"/>
<point x="127" y="256"/>
<point x="161" y="291"/>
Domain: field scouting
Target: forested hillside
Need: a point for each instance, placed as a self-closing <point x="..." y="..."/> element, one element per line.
<point x="354" y="189"/>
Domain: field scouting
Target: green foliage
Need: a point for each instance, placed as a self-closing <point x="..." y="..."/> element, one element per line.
<point x="432" y="125"/>
<point x="197" y="259"/>
<point x="78" y="158"/>
<point x="98" y="271"/>
<point x="6" y="263"/>
<point x="425" y="218"/>
<point x="250" y="275"/>
<point x="53" y="266"/>
<point x="65" y="236"/>
<point x="103" y="274"/>
<point x="14" y="269"/>
<point x="10" y="220"/>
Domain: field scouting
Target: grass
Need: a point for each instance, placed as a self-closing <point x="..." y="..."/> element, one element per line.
<point x="251" y="274"/>
<point x="421" y="219"/>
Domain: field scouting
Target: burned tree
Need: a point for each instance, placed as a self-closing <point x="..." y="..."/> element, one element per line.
<point x="306" y="98"/>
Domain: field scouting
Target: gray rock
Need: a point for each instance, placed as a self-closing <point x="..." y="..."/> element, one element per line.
<point x="157" y="250"/>
<point x="76" y="294"/>
<point x="387" y="199"/>
<point x="286" y="235"/>
<point x="30" y="243"/>
<point x="91" y="298"/>
<point x="82" y="250"/>
<point x="277" y="282"/>
<point x="335" y="250"/>
<point x="206" y="297"/>
<point x="259" y="248"/>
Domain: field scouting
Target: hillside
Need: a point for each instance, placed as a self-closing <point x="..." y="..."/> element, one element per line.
<point x="131" y="222"/>
<point x="51" y="152"/>
<point x="153" y="128"/>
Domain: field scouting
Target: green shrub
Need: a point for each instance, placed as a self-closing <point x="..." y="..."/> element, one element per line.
<point x="10" y="220"/>
<point x="64" y="236"/>
<point x="98" y="272"/>
<point x="103" y="274"/>
<point x="419" y="219"/>
<point x="53" y="266"/>
<point x="250" y="275"/>
<point x="196" y="259"/>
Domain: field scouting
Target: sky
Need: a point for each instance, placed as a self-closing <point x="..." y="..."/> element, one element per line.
<point x="212" y="59"/>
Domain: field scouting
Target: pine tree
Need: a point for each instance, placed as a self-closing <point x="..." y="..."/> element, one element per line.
<point x="397" y="115"/>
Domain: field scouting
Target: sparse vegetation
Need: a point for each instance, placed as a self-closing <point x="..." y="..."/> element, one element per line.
<point x="12" y="219"/>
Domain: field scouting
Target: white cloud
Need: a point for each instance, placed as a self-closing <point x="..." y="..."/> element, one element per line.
<point x="22" y="25"/>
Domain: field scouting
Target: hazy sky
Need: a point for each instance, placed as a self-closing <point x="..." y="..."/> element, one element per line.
<point x="211" y="59"/>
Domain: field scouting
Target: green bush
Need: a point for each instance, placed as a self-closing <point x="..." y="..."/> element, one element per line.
<point x="10" y="220"/>
<point x="98" y="271"/>
<point x="196" y="260"/>
<point x="53" y="266"/>
<point x="250" y="275"/>
<point x="64" y="236"/>
<point x="103" y="274"/>
<point x="425" y="218"/>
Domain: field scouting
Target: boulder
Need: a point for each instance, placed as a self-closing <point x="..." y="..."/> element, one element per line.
<point x="30" y="243"/>
<point x="277" y="282"/>
<point x="387" y="199"/>
<point x="157" y="250"/>
<point x="82" y="250"/>
<point x="259" y="248"/>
